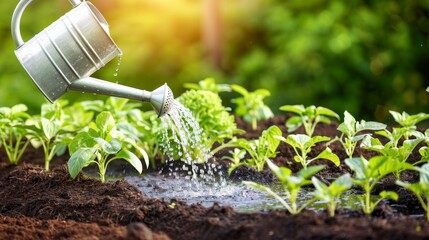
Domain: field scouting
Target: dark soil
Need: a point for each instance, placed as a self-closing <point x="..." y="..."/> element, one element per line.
<point x="36" y="204"/>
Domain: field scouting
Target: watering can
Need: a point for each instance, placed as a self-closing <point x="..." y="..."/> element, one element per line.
<point x="63" y="56"/>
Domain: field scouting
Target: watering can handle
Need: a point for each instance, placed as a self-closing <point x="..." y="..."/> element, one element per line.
<point x="16" y="19"/>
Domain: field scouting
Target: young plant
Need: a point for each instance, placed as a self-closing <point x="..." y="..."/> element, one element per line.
<point x="308" y="116"/>
<point x="302" y="145"/>
<point x="236" y="158"/>
<point x="46" y="130"/>
<point x="351" y="132"/>
<point x="261" y="149"/>
<point x="367" y="173"/>
<point x="209" y="84"/>
<point x="291" y="185"/>
<point x="102" y="144"/>
<point x="14" y="131"/>
<point x="409" y="122"/>
<point x="389" y="149"/>
<point x="421" y="188"/>
<point x="330" y="194"/>
<point x="251" y="105"/>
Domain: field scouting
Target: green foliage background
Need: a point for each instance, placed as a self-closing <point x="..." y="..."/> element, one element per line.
<point x="366" y="57"/>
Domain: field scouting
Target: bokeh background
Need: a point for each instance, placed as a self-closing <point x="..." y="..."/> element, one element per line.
<point x="366" y="57"/>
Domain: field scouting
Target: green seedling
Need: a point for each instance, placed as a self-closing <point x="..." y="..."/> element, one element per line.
<point x="14" y="131"/>
<point x="421" y="188"/>
<point x="236" y="157"/>
<point x="367" y="173"/>
<point x="409" y="122"/>
<point x="251" y="105"/>
<point x="291" y="185"/>
<point x="102" y="144"/>
<point x="389" y="149"/>
<point x="261" y="149"/>
<point x="302" y="145"/>
<point x="209" y="84"/>
<point x="330" y="194"/>
<point x="351" y="132"/>
<point x="46" y="130"/>
<point x="308" y="116"/>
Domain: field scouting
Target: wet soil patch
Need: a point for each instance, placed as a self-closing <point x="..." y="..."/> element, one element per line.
<point x="36" y="204"/>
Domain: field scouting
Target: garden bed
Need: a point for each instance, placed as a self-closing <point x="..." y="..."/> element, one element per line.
<point x="36" y="204"/>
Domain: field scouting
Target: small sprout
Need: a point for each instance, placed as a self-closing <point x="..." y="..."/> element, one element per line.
<point x="367" y="173"/>
<point x="308" y="116"/>
<point x="351" y="132"/>
<point x="291" y="185"/>
<point x="302" y="145"/>
<point x="251" y="105"/>
<point x="330" y="194"/>
<point x="409" y="122"/>
<point x="236" y="159"/>
<point x="14" y="131"/>
<point x="260" y="150"/>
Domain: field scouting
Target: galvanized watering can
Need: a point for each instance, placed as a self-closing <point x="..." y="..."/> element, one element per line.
<point x="64" y="55"/>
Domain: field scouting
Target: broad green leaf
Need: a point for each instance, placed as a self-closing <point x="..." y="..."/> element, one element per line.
<point x="293" y="123"/>
<point x="239" y="89"/>
<point x="357" y="165"/>
<point x="373" y="126"/>
<point x="111" y="147"/>
<point x="298" y="109"/>
<point x="309" y="171"/>
<point x="329" y="155"/>
<point x="327" y="112"/>
<point x="341" y="184"/>
<point x="50" y="127"/>
<point x="272" y="133"/>
<point x="131" y="158"/>
<point x="82" y="139"/>
<point x="105" y="122"/>
<point x="79" y="159"/>
<point x="389" y="195"/>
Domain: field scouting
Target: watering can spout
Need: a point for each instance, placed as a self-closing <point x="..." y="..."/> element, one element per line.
<point x="161" y="98"/>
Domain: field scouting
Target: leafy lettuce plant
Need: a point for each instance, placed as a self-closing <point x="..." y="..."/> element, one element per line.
<point x="367" y="173"/>
<point x="291" y="185"/>
<point x="409" y="122"/>
<point x="251" y="105"/>
<point x="308" y="116"/>
<point x="421" y="188"/>
<point x="260" y="150"/>
<point x="330" y="194"/>
<point x="14" y="131"/>
<point x="207" y="109"/>
<point x="351" y="132"/>
<point x="302" y="145"/>
<point x="102" y="144"/>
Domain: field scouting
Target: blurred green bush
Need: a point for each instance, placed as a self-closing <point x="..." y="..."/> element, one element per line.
<point x="366" y="57"/>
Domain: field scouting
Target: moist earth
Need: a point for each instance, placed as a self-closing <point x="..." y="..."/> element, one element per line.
<point x="39" y="204"/>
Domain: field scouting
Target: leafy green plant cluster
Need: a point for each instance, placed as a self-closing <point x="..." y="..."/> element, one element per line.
<point x="215" y="120"/>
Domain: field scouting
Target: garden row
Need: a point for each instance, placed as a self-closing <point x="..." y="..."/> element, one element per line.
<point x="99" y="132"/>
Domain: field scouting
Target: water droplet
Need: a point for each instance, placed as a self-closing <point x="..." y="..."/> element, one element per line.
<point x="118" y="65"/>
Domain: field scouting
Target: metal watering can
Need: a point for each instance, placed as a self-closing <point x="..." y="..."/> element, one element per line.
<point x="64" y="55"/>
